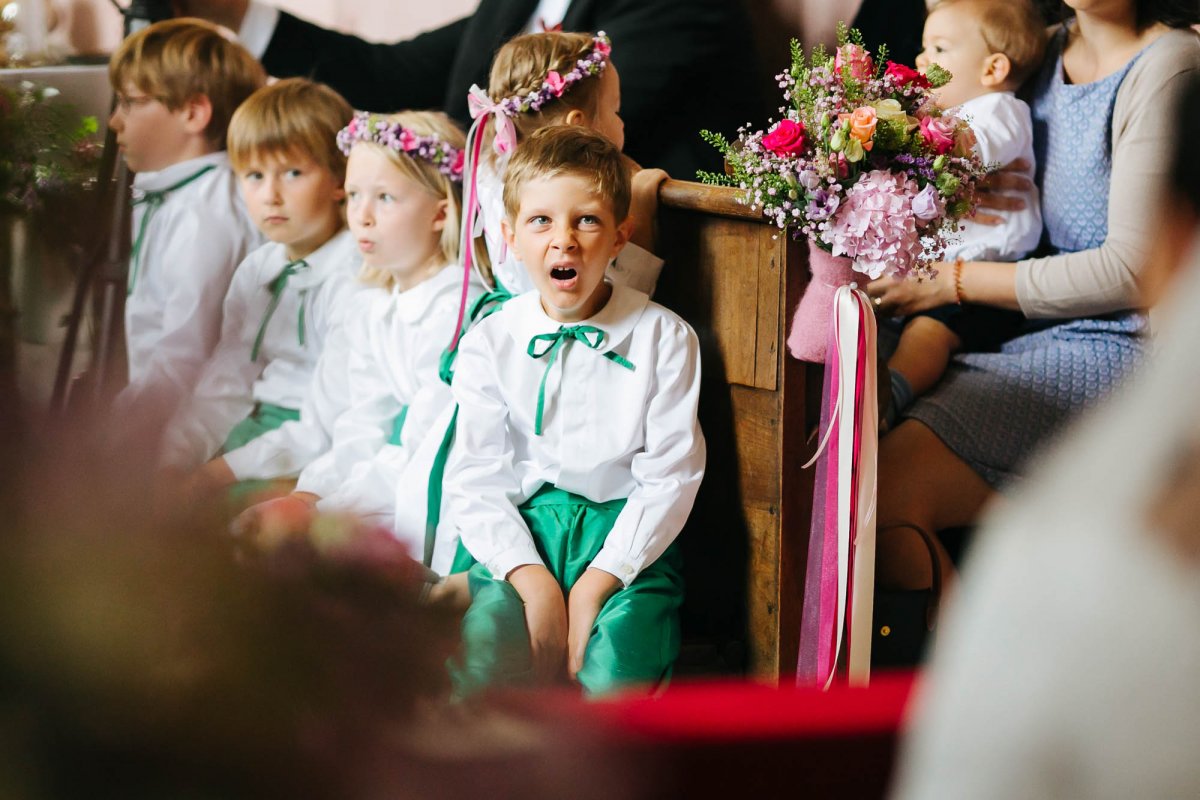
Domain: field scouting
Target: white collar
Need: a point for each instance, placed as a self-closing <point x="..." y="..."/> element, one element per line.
<point x="525" y="318"/>
<point x="325" y="261"/>
<point x="411" y="305"/>
<point x="169" y="176"/>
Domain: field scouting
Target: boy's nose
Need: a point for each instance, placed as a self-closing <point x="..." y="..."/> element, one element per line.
<point x="564" y="239"/>
<point x="922" y="60"/>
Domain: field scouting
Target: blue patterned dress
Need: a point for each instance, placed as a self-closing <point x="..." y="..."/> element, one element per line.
<point x="993" y="409"/>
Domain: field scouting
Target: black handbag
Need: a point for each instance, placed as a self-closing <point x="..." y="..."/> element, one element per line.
<point x="904" y="619"/>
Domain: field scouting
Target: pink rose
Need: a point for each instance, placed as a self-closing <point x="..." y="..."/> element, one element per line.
<point x="857" y="59"/>
<point x="459" y="159"/>
<point x="555" y="83"/>
<point x="938" y="134"/>
<point x="603" y="47"/>
<point x="786" y="138"/>
<point x="408" y="140"/>
<point x="903" y="75"/>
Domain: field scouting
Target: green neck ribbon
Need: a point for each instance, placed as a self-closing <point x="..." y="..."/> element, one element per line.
<point x="276" y="287"/>
<point x="153" y="202"/>
<point x="550" y="343"/>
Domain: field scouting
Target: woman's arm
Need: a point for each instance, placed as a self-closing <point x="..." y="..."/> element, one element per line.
<point x="990" y="283"/>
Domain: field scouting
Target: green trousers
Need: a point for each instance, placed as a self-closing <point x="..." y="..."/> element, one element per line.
<point x="635" y="638"/>
<point x="264" y="418"/>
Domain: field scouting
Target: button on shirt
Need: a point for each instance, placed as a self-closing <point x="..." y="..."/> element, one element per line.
<point x="282" y="373"/>
<point x="634" y="267"/>
<point x="192" y="244"/>
<point x="395" y="351"/>
<point x="609" y="432"/>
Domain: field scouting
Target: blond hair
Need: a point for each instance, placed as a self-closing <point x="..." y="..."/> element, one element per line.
<point x="569" y="150"/>
<point x="175" y="60"/>
<point x="521" y="66"/>
<point x="427" y="175"/>
<point x="1012" y="28"/>
<point x="292" y="117"/>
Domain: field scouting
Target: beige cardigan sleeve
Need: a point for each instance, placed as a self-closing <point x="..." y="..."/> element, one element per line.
<point x="1104" y="279"/>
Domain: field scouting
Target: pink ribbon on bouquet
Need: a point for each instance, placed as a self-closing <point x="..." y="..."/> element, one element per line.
<point x="835" y="631"/>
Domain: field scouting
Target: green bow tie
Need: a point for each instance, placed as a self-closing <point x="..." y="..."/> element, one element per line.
<point x="153" y="202"/>
<point x="276" y="287"/>
<point x="550" y="343"/>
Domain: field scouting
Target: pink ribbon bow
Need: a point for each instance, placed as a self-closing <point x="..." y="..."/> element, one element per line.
<point x="506" y="133"/>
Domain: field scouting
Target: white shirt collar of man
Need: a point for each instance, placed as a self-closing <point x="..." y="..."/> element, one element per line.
<point x="327" y="260"/>
<point x="165" y="178"/>
<point x="525" y="318"/>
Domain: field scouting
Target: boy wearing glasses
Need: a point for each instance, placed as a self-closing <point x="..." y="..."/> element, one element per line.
<point x="177" y="84"/>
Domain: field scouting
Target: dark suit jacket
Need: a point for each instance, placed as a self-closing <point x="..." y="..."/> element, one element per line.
<point x="685" y="65"/>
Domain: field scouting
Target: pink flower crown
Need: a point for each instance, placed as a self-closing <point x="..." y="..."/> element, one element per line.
<point x="379" y="130"/>
<point x="554" y="86"/>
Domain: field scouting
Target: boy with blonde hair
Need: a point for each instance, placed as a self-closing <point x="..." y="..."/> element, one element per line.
<point x="177" y="84"/>
<point x="578" y="452"/>
<point x="288" y="298"/>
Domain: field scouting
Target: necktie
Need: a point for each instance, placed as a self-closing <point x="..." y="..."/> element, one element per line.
<point x="153" y="202"/>
<point x="276" y="287"/>
<point x="550" y="343"/>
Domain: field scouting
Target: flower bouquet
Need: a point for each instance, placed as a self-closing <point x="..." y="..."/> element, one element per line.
<point x="863" y="164"/>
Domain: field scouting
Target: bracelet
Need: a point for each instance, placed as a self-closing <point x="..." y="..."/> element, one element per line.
<point x="958" y="289"/>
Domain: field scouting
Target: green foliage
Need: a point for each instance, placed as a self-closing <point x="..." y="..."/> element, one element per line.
<point x="938" y="76"/>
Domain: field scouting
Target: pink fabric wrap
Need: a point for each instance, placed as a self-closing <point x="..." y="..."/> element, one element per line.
<point x="810" y="323"/>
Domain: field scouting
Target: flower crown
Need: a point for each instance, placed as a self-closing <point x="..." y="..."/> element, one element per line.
<point x="556" y="85"/>
<point x="379" y="130"/>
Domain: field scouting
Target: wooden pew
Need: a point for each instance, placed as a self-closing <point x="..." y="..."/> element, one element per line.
<point x="736" y="279"/>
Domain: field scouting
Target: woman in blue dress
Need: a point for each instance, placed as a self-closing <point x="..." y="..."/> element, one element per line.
<point x="1103" y="115"/>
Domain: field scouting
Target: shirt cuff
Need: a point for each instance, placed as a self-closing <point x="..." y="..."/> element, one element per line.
<point x="258" y="26"/>
<point x="516" y="556"/>
<point x="616" y="564"/>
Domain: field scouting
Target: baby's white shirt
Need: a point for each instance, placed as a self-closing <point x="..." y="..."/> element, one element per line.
<point x="1003" y="130"/>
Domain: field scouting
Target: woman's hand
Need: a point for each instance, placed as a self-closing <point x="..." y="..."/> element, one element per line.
<point x="1012" y="177"/>
<point x="643" y="207"/>
<point x="546" y="618"/>
<point x="898" y="297"/>
<point x="588" y="596"/>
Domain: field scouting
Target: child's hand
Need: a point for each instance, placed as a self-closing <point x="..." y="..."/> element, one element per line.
<point x="209" y="479"/>
<point x="643" y="207"/>
<point x="273" y="521"/>
<point x="588" y="596"/>
<point x="546" y="617"/>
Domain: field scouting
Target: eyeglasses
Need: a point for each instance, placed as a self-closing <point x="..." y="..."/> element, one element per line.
<point x="126" y="103"/>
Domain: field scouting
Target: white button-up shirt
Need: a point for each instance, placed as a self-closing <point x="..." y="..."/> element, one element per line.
<point x="282" y="373"/>
<point x="395" y="352"/>
<point x="191" y="246"/>
<point x="634" y="267"/>
<point x="609" y="432"/>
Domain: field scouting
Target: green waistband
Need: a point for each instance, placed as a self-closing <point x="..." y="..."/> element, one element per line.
<point x="551" y="495"/>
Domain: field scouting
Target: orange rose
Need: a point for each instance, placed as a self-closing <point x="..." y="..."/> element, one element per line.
<point x="862" y="125"/>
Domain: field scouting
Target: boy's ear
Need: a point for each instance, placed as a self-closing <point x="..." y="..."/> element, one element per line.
<point x="439" y="221"/>
<point x="197" y="113"/>
<point x="624" y="231"/>
<point x="575" y="117"/>
<point x="996" y="69"/>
